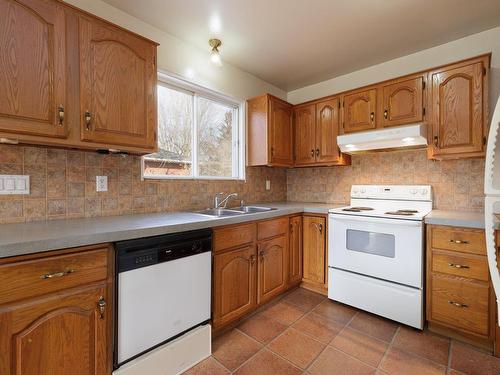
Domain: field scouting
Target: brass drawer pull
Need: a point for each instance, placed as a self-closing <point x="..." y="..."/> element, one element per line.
<point x="458" y="265"/>
<point x="372" y="116"/>
<point x="459" y="242"/>
<point x="60" y="112"/>
<point x="56" y="275"/>
<point x="88" y="119"/>
<point x="457" y="304"/>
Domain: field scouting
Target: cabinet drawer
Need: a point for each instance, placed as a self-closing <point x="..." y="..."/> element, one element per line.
<point x="462" y="304"/>
<point x="226" y="238"/>
<point x="271" y="228"/>
<point x="31" y="278"/>
<point x="458" y="239"/>
<point x="453" y="263"/>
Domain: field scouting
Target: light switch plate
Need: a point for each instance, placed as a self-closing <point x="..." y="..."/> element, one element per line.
<point x="14" y="184"/>
<point x="101" y="183"/>
<point x="268" y="184"/>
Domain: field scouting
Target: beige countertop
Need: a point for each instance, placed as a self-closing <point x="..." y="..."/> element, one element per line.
<point x="456" y="218"/>
<point x="34" y="237"/>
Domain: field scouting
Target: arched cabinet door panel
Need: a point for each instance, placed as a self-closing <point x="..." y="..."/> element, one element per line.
<point x="272" y="268"/>
<point x="57" y="334"/>
<point x="403" y="102"/>
<point x="327" y="129"/>
<point x="457" y="116"/>
<point x="32" y="68"/>
<point x="359" y="111"/>
<point x="117" y="86"/>
<point x="305" y="135"/>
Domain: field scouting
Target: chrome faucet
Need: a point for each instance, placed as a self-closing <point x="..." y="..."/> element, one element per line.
<point x="218" y="202"/>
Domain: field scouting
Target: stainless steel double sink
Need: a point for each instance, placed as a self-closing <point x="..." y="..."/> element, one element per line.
<point x="242" y="210"/>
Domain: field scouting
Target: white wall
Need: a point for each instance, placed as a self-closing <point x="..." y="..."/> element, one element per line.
<point x="476" y="44"/>
<point x="183" y="59"/>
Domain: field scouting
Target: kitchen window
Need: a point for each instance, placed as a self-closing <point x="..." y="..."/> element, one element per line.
<point x="200" y="134"/>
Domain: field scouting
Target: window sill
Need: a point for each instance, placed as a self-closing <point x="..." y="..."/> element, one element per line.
<point x="160" y="177"/>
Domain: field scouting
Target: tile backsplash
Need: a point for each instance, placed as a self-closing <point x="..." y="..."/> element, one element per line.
<point x="62" y="185"/>
<point x="457" y="184"/>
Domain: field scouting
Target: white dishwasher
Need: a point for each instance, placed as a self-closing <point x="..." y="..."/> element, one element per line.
<point x="163" y="290"/>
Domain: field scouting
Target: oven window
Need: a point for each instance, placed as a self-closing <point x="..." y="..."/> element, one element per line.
<point x="371" y="243"/>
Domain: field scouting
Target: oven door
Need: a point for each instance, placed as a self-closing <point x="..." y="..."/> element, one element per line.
<point x="388" y="249"/>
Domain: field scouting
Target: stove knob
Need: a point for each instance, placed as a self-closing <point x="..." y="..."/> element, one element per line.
<point x="423" y="191"/>
<point x="413" y="191"/>
<point x="355" y="191"/>
<point x="363" y="190"/>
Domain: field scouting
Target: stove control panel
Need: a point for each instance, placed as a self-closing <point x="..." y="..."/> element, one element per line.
<point x="397" y="192"/>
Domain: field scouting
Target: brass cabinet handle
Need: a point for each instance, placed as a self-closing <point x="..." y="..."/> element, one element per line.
<point x="372" y="116"/>
<point x="320" y="228"/>
<point x="101" y="305"/>
<point x="88" y="119"/>
<point x="312" y="153"/>
<point x="457" y="265"/>
<point x="459" y="242"/>
<point x="56" y="274"/>
<point x="386" y="114"/>
<point x="317" y="152"/>
<point x="261" y="254"/>
<point x="252" y="259"/>
<point x="60" y="112"/>
<point x="436" y="139"/>
<point x="458" y="304"/>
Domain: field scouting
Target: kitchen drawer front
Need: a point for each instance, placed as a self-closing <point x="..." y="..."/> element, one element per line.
<point x="461" y="304"/>
<point x="458" y="264"/>
<point x="234" y="236"/>
<point x="271" y="228"/>
<point x="36" y="277"/>
<point x="458" y="239"/>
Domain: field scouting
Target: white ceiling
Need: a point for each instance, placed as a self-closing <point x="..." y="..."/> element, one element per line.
<point x="294" y="43"/>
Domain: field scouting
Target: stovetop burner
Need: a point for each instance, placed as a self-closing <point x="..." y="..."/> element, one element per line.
<point x="402" y="212"/>
<point x="357" y="209"/>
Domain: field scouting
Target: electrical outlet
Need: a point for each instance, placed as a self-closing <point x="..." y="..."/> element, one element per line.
<point x="14" y="184"/>
<point x="268" y="184"/>
<point x="101" y="183"/>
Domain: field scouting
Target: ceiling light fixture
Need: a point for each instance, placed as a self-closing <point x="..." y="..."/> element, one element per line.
<point x="215" y="54"/>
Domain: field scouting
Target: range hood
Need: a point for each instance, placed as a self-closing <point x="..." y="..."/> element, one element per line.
<point x="414" y="135"/>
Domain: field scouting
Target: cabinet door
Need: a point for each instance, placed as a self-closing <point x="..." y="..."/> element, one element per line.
<point x="327" y="129"/>
<point x="272" y="268"/>
<point x="314" y="249"/>
<point x="32" y="68"/>
<point x="234" y="284"/>
<point x="57" y="334"/>
<point x="457" y="109"/>
<point x="117" y="86"/>
<point x="359" y="111"/>
<point x="305" y="138"/>
<point x="280" y="133"/>
<point x="295" y="251"/>
<point x="403" y="102"/>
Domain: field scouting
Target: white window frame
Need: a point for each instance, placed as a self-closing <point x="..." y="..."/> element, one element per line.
<point x="239" y="130"/>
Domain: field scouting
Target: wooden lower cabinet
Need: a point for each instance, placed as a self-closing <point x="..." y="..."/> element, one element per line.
<point x="272" y="268"/>
<point x="294" y="275"/>
<point x="57" y="333"/>
<point x="234" y="284"/>
<point x="314" y="253"/>
<point x="252" y="264"/>
<point x="460" y="299"/>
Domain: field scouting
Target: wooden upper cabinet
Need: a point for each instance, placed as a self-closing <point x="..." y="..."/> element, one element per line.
<point x="32" y="68"/>
<point x="314" y="249"/>
<point x="269" y="132"/>
<point x="280" y="133"/>
<point x="458" y="104"/>
<point x="272" y="268"/>
<point x="402" y="102"/>
<point x="359" y="111"/>
<point x="305" y="135"/>
<point x="234" y="284"/>
<point x="295" y="251"/>
<point x="117" y="86"/>
<point x="327" y="129"/>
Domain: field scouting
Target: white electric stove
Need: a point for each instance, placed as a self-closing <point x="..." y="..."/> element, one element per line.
<point x="376" y="251"/>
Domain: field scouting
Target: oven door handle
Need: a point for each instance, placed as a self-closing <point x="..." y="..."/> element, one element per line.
<point x="377" y="220"/>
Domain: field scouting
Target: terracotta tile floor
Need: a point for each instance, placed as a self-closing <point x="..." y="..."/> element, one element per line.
<point x="305" y="333"/>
